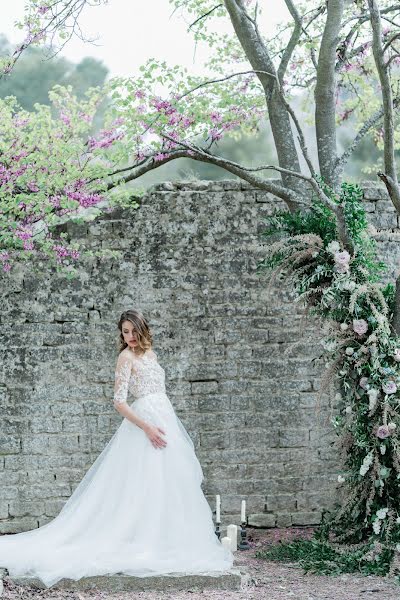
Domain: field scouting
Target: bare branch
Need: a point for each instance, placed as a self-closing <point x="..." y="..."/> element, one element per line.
<point x="195" y="153"/>
<point x="294" y="38"/>
<point x="390" y="176"/>
<point x="325" y="93"/>
<point x="260" y="60"/>
<point x="342" y="160"/>
<point x="207" y="14"/>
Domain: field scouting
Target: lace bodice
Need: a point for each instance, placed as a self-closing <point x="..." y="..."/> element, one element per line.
<point x="138" y="376"/>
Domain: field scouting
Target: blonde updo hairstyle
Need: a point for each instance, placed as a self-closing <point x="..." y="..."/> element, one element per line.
<point x="140" y="327"/>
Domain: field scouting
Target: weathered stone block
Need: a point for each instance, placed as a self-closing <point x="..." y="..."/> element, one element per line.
<point x="261" y="520"/>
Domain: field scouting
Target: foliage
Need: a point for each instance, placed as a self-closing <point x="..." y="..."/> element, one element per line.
<point x="345" y="291"/>
<point x="320" y="557"/>
<point x="53" y="167"/>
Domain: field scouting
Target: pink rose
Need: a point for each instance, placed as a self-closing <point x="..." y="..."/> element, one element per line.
<point x="389" y="387"/>
<point x="360" y="326"/>
<point x="382" y="432"/>
<point x="363" y="382"/>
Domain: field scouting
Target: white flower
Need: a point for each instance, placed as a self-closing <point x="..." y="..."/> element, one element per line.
<point x="333" y="247"/>
<point x="373" y="393"/>
<point x="338" y="397"/>
<point x="381" y="513"/>
<point x="348" y="410"/>
<point x="396" y="355"/>
<point x="341" y="479"/>
<point x="382" y="449"/>
<point x="392" y="427"/>
<point x="397" y="547"/>
<point x="349" y="350"/>
<point x="376" y="526"/>
<point x="344" y="326"/>
<point x="367" y="462"/>
<point x="351" y="286"/>
<point x="398" y="520"/>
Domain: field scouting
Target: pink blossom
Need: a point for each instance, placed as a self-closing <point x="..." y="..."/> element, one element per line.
<point x="215" y="134"/>
<point x="32" y="186"/>
<point x="23" y="234"/>
<point x="382" y="432"/>
<point x="216" y="117"/>
<point x="389" y="387"/>
<point x="28" y="245"/>
<point x="106" y="139"/>
<point x="160" y="156"/>
<point x="65" y="118"/>
<point x="6" y="267"/>
<point x="360" y="326"/>
<point x="186" y="122"/>
<point x="85" y="117"/>
<point x="139" y="94"/>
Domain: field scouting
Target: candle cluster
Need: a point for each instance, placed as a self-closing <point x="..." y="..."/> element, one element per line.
<point x="230" y="541"/>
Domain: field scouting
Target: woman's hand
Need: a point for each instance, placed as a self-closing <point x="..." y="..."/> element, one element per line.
<point x="153" y="433"/>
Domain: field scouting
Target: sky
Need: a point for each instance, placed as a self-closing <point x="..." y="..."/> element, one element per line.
<point x="128" y="32"/>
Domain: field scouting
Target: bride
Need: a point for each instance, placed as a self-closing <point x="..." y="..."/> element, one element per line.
<point x="139" y="510"/>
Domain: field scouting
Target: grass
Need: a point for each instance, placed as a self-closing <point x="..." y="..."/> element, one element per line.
<point x="319" y="557"/>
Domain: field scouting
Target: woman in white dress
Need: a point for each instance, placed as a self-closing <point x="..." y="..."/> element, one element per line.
<point x="139" y="510"/>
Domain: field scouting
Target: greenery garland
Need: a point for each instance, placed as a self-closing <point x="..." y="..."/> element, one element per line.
<point x="346" y="290"/>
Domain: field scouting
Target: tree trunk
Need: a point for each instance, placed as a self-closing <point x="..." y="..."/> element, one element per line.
<point x="325" y="94"/>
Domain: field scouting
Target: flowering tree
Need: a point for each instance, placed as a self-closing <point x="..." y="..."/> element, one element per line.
<point x="344" y="58"/>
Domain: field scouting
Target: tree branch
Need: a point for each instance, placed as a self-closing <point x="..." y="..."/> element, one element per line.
<point x="260" y="60"/>
<point x="342" y="160"/>
<point x="325" y="90"/>
<point x="390" y="176"/>
<point x="294" y="38"/>
<point x="191" y="151"/>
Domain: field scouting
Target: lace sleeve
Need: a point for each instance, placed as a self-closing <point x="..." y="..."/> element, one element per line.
<point x="122" y="376"/>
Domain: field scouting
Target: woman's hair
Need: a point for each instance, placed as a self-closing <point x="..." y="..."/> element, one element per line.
<point x="140" y="327"/>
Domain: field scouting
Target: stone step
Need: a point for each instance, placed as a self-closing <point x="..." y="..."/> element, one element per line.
<point x="231" y="580"/>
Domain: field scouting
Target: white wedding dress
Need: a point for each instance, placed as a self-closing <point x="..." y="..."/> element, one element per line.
<point x="138" y="510"/>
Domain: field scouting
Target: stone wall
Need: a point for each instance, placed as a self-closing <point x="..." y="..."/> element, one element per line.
<point x="248" y="398"/>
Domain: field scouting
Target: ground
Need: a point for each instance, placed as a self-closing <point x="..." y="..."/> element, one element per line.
<point x="267" y="581"/>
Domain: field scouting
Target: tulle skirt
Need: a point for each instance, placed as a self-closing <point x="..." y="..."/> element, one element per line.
<point x="138" y="510"/>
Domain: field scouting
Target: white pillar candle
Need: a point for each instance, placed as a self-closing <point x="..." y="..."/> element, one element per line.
<point x="226" y="543"/>
<point x="243" y="512"/>
<point x="218" y="509"/>
<point x="232" y="533"/>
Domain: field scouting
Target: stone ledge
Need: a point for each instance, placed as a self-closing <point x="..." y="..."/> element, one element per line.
<point x="230" y="580"/>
